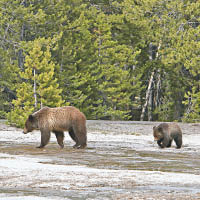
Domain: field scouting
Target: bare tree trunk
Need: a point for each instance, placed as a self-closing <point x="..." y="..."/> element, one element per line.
<point x="22" y="37"/>
<point x="153" y="55"/>
<point x="34" y="88"/>
<point x="20" y="52"/>
<point x="150" y="105"/>
<point x="158" y="90"/>
<point x="41" y="102"/>
<point x="147" y="96"/>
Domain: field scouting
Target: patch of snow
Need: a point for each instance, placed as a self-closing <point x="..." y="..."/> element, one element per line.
<point x="39" y="172"/>
<point x="2" y="197"/>
<point x="24" y="171"/>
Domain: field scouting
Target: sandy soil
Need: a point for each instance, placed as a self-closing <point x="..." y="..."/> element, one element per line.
<point x="121" y="162"/>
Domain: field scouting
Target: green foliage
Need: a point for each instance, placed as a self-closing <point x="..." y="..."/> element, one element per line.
<point x="98" y="79"/>
<point x="96" y="56"/>
<point x="193" y="106"/>
<point x="8" y="77"/>
<point x="39" y="87"/>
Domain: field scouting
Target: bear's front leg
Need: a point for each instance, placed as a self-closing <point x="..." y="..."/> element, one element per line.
<point x="159" y="143"/>
<point x="164" y="143"/>
<point x="45" y="137"/>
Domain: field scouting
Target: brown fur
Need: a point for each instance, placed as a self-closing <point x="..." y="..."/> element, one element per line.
<point x="165" y="133"/>
<point x="58" y="120"/>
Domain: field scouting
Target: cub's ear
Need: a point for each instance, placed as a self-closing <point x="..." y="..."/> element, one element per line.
<point x="31" y="118"/>
<point x="154" y="128"/>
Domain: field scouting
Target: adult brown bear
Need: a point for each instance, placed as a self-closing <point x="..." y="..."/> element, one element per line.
<point x="58" y="120"/>
<point x="165" y="133"/>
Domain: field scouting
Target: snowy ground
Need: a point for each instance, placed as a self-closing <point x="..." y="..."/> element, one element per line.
<point x="121" y="162"/>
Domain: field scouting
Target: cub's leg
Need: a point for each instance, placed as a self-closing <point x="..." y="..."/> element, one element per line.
<point x="159" y="142"/>
<point x="178" y="141"/>
<point x="170" y="143"/>
<point x="164" y="143"/>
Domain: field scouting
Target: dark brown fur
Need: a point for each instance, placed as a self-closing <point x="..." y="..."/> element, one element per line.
<point x="58" y="120"/>
<point x="165" y="133"/>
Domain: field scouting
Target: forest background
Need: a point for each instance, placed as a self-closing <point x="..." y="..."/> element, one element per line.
<point x="117" y="60"/>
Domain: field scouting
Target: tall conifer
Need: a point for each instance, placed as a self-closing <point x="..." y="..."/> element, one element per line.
<point x="39" y="86"/>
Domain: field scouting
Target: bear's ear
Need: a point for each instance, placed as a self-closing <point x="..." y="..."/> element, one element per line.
<point x="154" y="128"/>
<point x="31" y="118"/>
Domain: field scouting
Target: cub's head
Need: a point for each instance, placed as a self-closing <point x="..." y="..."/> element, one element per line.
<point x="157" y="133"/>
<point x="30" y="124"/>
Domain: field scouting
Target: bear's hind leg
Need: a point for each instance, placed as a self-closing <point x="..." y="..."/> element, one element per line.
<point x="60" y="138"/>
<point x="178" y="141"/>
<point x="45" y="137"/>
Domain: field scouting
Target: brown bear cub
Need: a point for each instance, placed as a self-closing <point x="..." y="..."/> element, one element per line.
<point x="58" y="120"/>
<point x="165" y="133"/>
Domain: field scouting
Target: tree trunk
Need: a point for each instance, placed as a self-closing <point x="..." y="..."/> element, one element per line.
<point x="147" y="96"/>
<point x="150" y="105"/>
<point x="158" y="90"/>
<point x="34" y="88"/>
<point x="153" y="55"/>
<point x="20" y="52"/>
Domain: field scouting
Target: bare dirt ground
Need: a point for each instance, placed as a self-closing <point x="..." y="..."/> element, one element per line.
<point x="121" y="162"/>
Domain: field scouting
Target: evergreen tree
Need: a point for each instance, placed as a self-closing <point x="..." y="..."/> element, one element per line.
<point x="38" y="87"/>
<point x="188" y="51"/>
<point x="8" y="77"/>
<point x="98" y="80"/>
<point x="115" y="59"/>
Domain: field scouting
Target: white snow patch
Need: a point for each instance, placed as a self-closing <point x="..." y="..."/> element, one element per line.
<point x="2" y="197"/>
<point x="18" y="171"/>
<point x="25" y="171"/>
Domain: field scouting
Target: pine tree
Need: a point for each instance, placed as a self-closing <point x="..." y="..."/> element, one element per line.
<point x="102" y="54"/>
<point x="8" y="77"/>
<point x="39" y="87"/>
<point x="96" y="72"/>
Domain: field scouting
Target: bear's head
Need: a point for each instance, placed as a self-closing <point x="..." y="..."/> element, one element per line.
<point x="157" y="133"/>
<point x="30" y="124"/>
